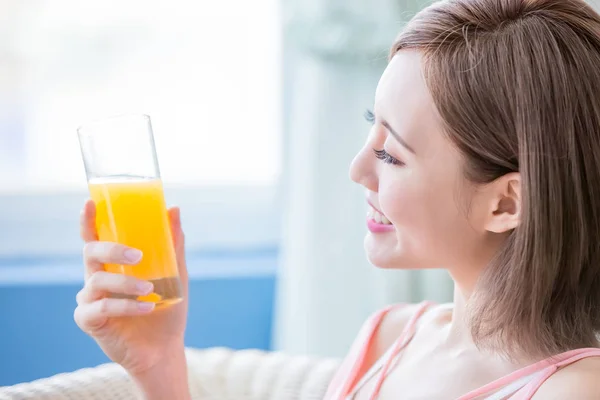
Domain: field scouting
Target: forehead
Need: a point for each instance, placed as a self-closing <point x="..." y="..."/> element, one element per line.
<point x="402" y="88"/>
<point x="403" y="99"/>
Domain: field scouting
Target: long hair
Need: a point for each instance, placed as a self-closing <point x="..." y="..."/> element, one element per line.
<point x="517" y="84"/>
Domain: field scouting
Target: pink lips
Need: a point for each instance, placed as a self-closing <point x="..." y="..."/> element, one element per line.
<point x="378" y="228"/>
<point x="375" y="227"/>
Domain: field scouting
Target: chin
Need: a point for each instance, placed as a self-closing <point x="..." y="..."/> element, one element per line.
<point x="384" y="251"/>
<point x="381" y="264"/>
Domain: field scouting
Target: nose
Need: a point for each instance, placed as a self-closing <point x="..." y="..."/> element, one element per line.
<point x="363" y="169"/>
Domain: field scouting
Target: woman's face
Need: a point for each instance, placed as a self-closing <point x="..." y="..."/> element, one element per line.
<point x="419" y="204"/>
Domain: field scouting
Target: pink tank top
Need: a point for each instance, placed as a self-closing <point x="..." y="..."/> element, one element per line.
<point x="519" y="385"/>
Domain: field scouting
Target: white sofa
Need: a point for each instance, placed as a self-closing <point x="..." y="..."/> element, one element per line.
<point x="214" y="374"/>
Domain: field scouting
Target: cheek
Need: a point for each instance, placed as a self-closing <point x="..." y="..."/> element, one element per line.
<point x="427" y="219"/>
<point x="403" y="200"/>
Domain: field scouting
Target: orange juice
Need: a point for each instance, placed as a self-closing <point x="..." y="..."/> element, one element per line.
<point x="132" y="211"/>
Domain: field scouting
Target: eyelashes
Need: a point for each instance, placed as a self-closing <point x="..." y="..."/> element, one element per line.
<point x="386" y="157"/>
<point x="381" y="154"/>
<point x="369" y="116"/>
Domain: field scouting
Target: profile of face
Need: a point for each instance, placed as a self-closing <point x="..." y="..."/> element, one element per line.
<point x="422" y="211"/>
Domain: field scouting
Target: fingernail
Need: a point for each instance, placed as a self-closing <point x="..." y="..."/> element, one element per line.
<point x="133" y="255"/>
<point x="145" y="306"/>
<point x="144" y="287"/>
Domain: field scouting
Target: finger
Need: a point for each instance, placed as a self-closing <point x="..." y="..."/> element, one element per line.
<point x="92" y="316"/>
<point x="178" y="242"/>
<point x="101" y="283"/>
<point x="87" y="222"/>
<point x="111" y="253"/>
<point x="177" y="231"/>
<point x="96" y="254"/>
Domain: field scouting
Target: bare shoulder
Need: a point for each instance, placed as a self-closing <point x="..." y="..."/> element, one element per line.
<point x="391" y="327"/>
<point x="579" y="380"/>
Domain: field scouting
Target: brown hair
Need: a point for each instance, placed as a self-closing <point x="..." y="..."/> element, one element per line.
<point x="517" y="85"/>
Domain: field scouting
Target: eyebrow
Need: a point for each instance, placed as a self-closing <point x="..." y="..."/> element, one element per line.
<point x="397" y="137"/>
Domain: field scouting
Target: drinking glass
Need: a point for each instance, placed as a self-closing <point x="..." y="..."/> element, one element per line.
<point x="124" y="182"/>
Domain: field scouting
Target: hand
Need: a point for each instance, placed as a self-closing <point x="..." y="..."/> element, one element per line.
<point x="130" y="332"/>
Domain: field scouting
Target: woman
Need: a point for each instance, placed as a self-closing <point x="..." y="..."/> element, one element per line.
<point x="483" y="159"/>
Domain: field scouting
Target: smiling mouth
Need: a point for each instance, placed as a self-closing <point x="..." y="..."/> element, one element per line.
<point x="377" y="217"/>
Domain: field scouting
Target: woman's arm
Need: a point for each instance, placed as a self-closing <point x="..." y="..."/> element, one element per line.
<point x="167" y="380"/>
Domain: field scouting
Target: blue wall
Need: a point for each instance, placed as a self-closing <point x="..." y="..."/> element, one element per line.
<point x="231" y="301"/>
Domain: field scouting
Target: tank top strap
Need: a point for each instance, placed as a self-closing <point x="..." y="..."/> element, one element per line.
<point x="536" y="373"/>
<point x="556" y="362"/>
<point x="347" y="374"/>
<point x="407" y="334"/>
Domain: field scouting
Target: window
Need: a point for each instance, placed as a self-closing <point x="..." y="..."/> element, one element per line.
<point x="207" y="73"/>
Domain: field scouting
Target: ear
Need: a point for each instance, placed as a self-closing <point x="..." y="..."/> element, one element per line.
<point x="504" y="212"/>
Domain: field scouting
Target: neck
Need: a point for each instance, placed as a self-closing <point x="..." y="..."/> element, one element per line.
<point x="459" y="331"/>
<point x="458" y="336"/>
<point x="465" y="279"/>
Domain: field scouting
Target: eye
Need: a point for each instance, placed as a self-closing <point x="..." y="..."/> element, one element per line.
<point x="386" y="157"/>
<point x="369" y="116"/>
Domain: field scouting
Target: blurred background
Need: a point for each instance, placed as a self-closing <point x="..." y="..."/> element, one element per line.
<point x="257" y="109"/>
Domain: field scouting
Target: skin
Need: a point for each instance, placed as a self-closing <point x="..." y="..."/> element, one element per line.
<point x="148" y="344"/>
<point x="440" y="221"/>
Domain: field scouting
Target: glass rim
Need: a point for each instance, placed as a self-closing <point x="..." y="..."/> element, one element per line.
<point x="97" y="122"/>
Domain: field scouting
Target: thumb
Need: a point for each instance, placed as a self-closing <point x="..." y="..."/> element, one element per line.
<point x="178" y="239"/>
<point x="175" y="221"/>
